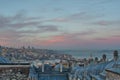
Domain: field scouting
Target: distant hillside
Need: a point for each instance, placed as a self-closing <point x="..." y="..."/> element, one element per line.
<point x="31" y="53"/>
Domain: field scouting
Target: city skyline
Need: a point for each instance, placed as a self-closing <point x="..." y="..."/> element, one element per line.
<point x="60" y="24"/>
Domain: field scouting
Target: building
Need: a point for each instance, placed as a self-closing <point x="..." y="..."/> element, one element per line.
<point x="113" y="74"/>
<point x="13" y="71"/>
<point x="42" y="70"/>
<point x="106" y="70"/>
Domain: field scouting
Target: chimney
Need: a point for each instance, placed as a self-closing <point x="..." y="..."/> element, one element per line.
<point x="115" y="54"/>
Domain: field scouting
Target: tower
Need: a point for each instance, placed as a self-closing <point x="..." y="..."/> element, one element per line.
<point x="115" y="54"/>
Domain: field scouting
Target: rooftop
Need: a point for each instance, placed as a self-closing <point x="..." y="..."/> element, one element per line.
<point x="114" y="70"/>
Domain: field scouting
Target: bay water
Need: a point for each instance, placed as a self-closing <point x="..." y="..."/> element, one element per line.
<point x="81" y="54"/>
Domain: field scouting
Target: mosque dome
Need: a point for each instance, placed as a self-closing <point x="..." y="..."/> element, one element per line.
<point x="4" y="60"/>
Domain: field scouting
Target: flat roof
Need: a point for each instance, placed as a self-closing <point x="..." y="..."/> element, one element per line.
<point x="4" y="65"/>
<point x="10" y="66"/>
<point x="14" y="63"/>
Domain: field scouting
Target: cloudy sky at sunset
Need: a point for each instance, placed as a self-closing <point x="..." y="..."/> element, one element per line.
<point x="60" y="24"/>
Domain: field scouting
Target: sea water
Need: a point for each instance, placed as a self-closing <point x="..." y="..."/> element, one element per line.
<point x="81" y="54"/>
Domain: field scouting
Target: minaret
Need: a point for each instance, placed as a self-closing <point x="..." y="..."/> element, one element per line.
<point x="73" y="64"/>
<point x="42" y="66"/>
<point x="61" y="66"/>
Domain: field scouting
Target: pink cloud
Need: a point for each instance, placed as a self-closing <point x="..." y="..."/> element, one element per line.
<point x="107" y="22"/>
<point x="59" y="20"/>
<point x="108" y="40"/>
<point x="64" y="40"/>
<point x="55" y="39"/>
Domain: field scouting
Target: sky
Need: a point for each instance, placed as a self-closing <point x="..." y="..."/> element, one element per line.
<point x="60" y="24"/>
